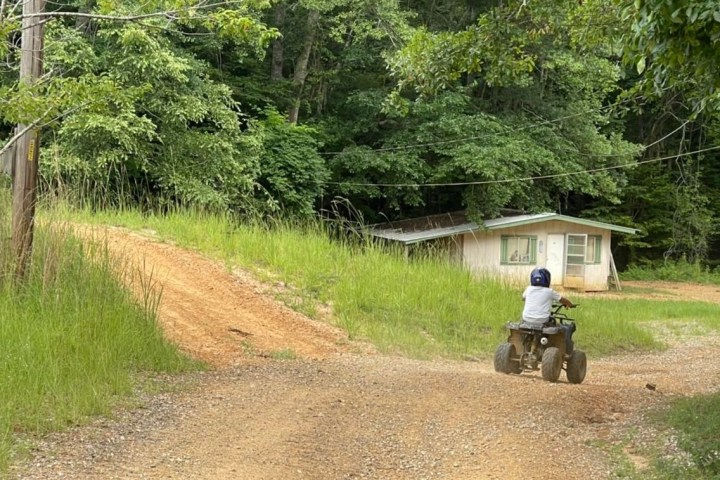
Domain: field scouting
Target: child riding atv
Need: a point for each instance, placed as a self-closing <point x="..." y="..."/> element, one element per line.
<point x="539" y="298"/>
<point x="542" y="340"/>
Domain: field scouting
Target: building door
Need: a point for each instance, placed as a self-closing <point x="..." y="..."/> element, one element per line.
<point x="575" y="260"/>
<point x="555" y="260"/>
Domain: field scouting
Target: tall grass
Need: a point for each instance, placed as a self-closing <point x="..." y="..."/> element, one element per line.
<point x="424" y="307"/>
<point x="697" y="419"/>
<point x="71" y="337"/>
<point x="674" y="271"/>
<point x="427" y="307"/>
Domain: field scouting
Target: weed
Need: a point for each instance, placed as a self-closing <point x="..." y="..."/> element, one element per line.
<point x="71" y="337"/>
<point x="284" y="354"/>
<point x="697" y="419"/>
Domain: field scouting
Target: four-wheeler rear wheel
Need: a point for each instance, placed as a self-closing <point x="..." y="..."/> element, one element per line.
<point x="551" y="364"/>
<point x="576" y="367"/>
<point x="505" y="361"/>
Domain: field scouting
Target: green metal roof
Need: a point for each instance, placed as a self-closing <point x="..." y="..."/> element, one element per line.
<point x="421" y="235"/>
<point x="514" y="221"/>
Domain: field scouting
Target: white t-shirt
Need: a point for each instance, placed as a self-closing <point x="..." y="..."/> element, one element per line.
<point x="538" y="303"/>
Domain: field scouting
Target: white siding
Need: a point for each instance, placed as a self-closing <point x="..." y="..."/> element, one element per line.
<point x="481" y="252"/>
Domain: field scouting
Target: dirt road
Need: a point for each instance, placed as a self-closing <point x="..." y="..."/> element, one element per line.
<point x="341" y="411"/>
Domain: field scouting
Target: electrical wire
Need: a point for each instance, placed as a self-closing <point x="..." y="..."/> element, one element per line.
<point x="524" y="179"/>
<point x="488" y="135"/>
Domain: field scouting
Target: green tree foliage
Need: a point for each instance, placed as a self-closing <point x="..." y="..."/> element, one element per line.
<point x="526" y="97"/>
<point x="293" y="175"/>
<point x="670" y="196"/>
<point x="179" y="134"/>
<point x="139" y="111"/>
<point x="330" y="48"/>
<point x="448" y="140"/>
<point x="671" y="47"/>
<point x="674" y="44"/>
<point x="403" y="108"/>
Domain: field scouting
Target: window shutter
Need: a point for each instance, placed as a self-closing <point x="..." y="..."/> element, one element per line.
<point x="598" y="247"/>
<point x="503" y="250"/>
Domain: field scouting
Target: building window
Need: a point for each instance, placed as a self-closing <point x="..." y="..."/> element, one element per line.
<point x="576" y="255"/>
<point x="594" y="247"/>
<point x="582" y="250"/>
<point x="518" y="250"/>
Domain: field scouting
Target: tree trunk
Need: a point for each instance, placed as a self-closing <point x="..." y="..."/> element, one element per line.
<point x="301" y="65"/>
<point x="276" y="73"/>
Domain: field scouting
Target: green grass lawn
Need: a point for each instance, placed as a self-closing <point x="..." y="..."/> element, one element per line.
<point x="423" y="308"/>
<point x="72" y="339"/>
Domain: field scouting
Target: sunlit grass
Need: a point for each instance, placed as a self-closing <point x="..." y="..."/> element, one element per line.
<point x="71" y="337"/>
<point x="673" y="271"/>
<point x="697" y="419"/>
<point x="425" y="307"/>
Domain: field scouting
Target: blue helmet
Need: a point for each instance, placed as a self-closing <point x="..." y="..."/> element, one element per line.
<point x="540" y="277"/>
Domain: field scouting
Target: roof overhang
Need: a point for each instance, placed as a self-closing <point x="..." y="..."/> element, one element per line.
<point x="518" y="220"/>
<point x="409" y="238"/>
<point x="412" y="237"/>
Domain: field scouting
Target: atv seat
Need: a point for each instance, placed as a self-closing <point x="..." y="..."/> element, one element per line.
<point x="525" y="326"/>
<point x="535" y="327"/>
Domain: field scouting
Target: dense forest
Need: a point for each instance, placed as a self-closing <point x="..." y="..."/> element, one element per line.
<point x="605" y="109"/>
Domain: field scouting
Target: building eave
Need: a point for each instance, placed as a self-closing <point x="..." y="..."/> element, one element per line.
<point x="505" y="222"/>
<point x="413" y="237"/>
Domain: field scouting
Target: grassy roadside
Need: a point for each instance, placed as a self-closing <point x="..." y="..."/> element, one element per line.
<point x="422" y="308"/>
<point x="697" y="421"/>
<point x="426" y="308"/>
<point x="685" y="443"/>
<point x="71" y="338"/>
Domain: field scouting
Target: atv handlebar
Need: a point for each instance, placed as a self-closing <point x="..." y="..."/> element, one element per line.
<point x="557" y="315"/>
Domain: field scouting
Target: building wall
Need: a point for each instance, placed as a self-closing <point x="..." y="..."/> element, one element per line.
<point x="481" y="253"/>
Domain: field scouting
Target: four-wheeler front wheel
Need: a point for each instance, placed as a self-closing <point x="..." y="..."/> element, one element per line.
<point x="576" y="367"/>
<point x="505" y="361"/>
<point x="551" y="364"/>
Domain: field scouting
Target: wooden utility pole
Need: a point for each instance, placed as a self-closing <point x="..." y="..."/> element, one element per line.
<point x="28" y="146"/>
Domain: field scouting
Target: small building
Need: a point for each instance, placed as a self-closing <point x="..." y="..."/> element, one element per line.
<point x="575" y="250"/>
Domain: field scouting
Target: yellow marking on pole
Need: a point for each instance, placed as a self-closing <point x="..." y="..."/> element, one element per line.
<point x="31" y="151"/>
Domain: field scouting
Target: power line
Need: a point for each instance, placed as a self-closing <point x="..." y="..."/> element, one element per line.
<point x="170" y="14"/>
<point x="523" y="179"/>
<point x="488" y="135"/>
<point x="643" y="148"/>
<point x="465" y="139"/>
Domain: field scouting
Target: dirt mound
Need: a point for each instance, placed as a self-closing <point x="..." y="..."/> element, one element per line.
<point x="216" y="316"/>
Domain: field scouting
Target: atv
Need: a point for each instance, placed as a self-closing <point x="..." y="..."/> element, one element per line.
<point x="541" y="347"/>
